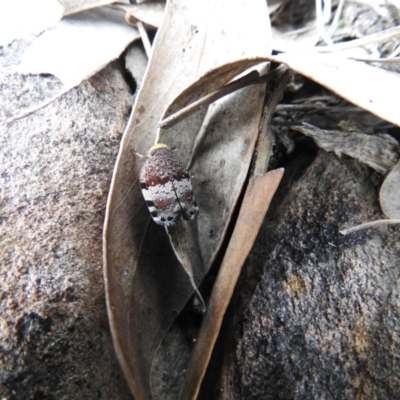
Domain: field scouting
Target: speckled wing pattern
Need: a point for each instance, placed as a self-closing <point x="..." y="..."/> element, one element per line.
<point x="166" y="187"/>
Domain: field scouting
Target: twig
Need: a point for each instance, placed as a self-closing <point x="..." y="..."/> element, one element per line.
<point x="336" y="18"/>
<point x="302" y="107"/>
<point x="372" y="224"/>
<point x="375" y="37"/>
<point x="145" y="38"/>
<point x="389" y="60"/>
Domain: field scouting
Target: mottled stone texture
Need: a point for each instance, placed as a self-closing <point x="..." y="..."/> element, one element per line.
<point x="55" y="171"/>
<point x="315" y="315"/>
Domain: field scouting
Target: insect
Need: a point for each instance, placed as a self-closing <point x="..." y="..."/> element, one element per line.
<point x="166" y="187"/>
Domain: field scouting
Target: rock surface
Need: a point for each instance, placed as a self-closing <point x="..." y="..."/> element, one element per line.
<point x="56" y="166"/>
<point x="315" y="314"/>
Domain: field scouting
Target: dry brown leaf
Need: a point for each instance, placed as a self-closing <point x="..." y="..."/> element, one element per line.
<point x="359" y="83"/>
<point x="145" y="284"/>
<point x="79" y="45"/>
<point x="185" y="133"/>
<point x="389" y="195"/>
<point x="255" y="204"/>
<point x="380" y="152"/>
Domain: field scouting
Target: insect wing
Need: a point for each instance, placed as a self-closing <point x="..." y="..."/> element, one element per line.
<point x="184" y="193"/>
<point x="159" y="193"/>
<point x="183" y="188"/>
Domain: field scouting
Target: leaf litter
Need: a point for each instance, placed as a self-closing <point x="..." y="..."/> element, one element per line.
<point x="338" y="66"/>
<point x="193" y="58"/>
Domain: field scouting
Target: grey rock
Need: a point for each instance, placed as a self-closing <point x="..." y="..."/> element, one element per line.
<point x="315" y="315"/>
<point x="55" y="170"/>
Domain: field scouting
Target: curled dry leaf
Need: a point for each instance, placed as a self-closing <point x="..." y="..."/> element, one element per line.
<point x="389" y="194"/>
<point x="193" y="131"/>
<point x="145" y="285"/>
<point x="248" y="79"/>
